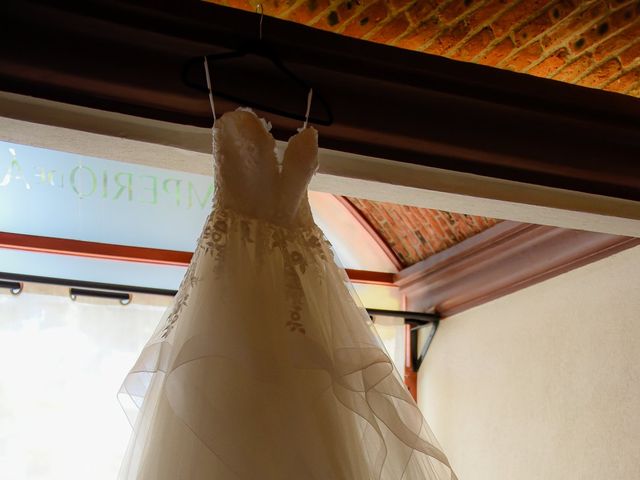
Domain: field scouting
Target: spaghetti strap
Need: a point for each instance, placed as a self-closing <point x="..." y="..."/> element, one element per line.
<point x="213" y="108"/>
<point x="306" y="115"/>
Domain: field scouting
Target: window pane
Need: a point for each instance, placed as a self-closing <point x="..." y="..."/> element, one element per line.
<point x="63" y="363"/>
<point x="58" y="194"/>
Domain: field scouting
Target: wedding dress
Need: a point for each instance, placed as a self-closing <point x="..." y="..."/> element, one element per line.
<point x="265" y="367"/>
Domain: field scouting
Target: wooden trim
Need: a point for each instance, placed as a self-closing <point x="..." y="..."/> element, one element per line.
<point x="366" y="224"/>
<point x="410" y="375"/>
<point x="501" y="260"/>
<point x="126" y="253"/>
<point x="81" y="248"/>
<point x="387" y="102"/>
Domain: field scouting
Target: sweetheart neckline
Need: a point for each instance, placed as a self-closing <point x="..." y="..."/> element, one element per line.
<point x="264" y="122"/>
<point x="279" y="161"/>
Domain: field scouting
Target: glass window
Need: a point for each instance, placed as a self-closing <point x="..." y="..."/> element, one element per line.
<point x="63" y="363"/>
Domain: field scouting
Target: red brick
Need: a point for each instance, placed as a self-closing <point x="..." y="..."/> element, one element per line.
<point x="347" y="10"/>
<point x="613" y="4"/>
<point x="634" y="91"/>
<point x="462" y="226"/>
<point x="630" y="55"/>
<point x="551" y="64"/>
<point x="605" y="28"/>
<point x="544" y="21"/>
<point x="457" y="8"/>
<point x="561" y="10"/>
<point x="624" y="82"/>
<point x="450" y="238"/>
<point x="474" y="45"/>
<point x="367" y="20"/>
<point x="575" y="68"/>
<point x="391" y="30"/>
<point x="518" y="13"/>
<point x="625" y="16"/>
<point x="448" y="39"/>
<point x="524" y="57"/>
<point x="416" y="233"/>
<point x="488" y="11"/>
<point x="601" y="74"/>
<point x="398" y="4"/>
<point x="479" y="17"/>
<point x="532" y="29"/>
<point x="618" y="42"/>
<point x="495" y="54"/>
<point x="307" y="10"/>
<point x="239" y="4"/>
<point x="274" y="8"/>
<point x="419" y="35"/>
<point x="488" y="221"/>
<point x="421" y="10"/>
<point x="567" y="40"/>
<point x="334" y="18"/>
<point x="435" y="225"/>
<point x="574" y="23"/>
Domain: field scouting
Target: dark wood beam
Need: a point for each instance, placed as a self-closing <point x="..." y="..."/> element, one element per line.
<point x="127" y="56"/>
<point x="501" y="260"/>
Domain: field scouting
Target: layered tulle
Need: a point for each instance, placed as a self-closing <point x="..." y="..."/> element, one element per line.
<point x="266" y="368"/>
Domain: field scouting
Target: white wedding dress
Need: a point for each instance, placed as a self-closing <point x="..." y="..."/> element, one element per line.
<point x="265" y="367"/>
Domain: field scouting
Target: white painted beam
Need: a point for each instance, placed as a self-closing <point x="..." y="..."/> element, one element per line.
<point x="42" y="123"/>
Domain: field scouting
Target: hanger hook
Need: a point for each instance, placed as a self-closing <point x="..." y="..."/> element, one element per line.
<point x="259" y="6"/>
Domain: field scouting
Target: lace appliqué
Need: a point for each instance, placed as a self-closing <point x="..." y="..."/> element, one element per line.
<point x="188" y="282"/>
<point x="215" y="235"/>
<point x="292" y="244"/>
<point x="213" y="241"/>
<point x="301" y="248"/>
<point x="293" y="286"/>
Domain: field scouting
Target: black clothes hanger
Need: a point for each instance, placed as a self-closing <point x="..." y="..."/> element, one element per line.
<point x="262" y="49"/>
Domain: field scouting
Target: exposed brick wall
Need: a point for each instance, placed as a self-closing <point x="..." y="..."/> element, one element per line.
<point x="594" y="43"/>
<point x="416" y="233"/>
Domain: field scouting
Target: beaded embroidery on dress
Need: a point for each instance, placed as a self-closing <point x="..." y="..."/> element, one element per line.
<point x="265" y="367"/>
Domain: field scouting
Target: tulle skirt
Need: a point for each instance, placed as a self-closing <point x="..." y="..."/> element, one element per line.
<point x="265" y="367"/>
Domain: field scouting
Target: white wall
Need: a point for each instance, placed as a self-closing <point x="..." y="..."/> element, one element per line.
<point x="543" y="383"/>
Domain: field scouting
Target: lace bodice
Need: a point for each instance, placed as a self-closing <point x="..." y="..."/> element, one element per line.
<point x="252" y="180"/>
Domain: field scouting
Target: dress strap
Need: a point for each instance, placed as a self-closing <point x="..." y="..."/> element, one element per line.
<point x="306" y="115"/>
<point x="213" y="108"/>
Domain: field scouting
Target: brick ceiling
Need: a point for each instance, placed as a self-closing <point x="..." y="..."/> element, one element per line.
<point x="592" y="43"/>
<point x="413" y="233"/>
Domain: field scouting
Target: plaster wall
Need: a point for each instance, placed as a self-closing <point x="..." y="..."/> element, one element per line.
<point x="543" y="383"/>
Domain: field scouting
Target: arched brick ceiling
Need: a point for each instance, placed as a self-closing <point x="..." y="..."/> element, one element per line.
<point x="413" y="233"/>
<point x="592" y="43"/>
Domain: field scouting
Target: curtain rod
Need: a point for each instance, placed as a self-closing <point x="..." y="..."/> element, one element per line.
<point x="13" y="281"/>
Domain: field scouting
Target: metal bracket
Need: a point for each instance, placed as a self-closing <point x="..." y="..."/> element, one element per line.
<point x="417" y="320"/>
<point x="417" y="358"/>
